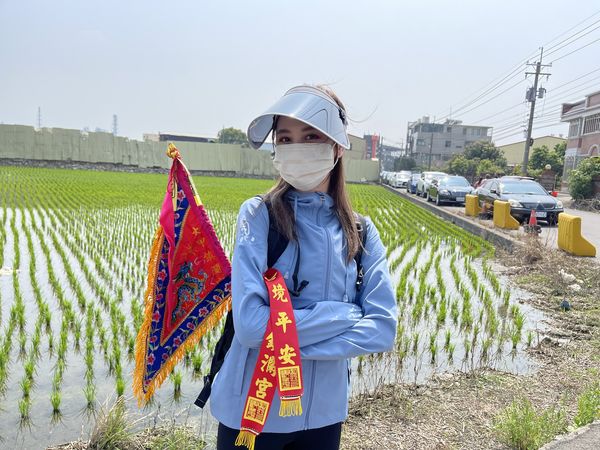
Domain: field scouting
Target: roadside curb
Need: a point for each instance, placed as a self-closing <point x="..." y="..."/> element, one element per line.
<point x="584" y="438"/>
<point x="487" y="234"/>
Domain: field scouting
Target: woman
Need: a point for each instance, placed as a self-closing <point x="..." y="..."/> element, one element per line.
<point x="333" y="321"/>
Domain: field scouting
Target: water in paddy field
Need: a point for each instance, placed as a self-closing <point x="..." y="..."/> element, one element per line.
<point x="107" y="250"/>
<point x="414" y="363"/>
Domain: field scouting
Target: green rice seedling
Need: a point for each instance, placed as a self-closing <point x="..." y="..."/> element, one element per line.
<point x="433" y="346"/>
<point x="450" y="352"/>
<point x="467" y="346"/>
<point x="22" y="344"/>
<point x="130" y="348"/>
<point x="466" y="319"/>
<point x="176" y="378"/>
<point x="120" y="387"/>
<point x="492" y="323"/>
<point x="515" y="338"/>
<point x="529" y="338"/>
<point x="24" y="408"/>
<point x="55" y="401"/>
<point x="485" y="348"/>
<point x="447" y="339"/>
<point x="25" y="384"/>
<point x="29" y="369"/>
<point x="77" y="335"/>
<point x="415" y="343"/>
<point x="506" y="298"/>
<point x="519" y="320"/>
<point x="475" y="336"/>
<point x="454" y="312"/>
<point x="442" y="312"/>
<point x="197" y="364"/>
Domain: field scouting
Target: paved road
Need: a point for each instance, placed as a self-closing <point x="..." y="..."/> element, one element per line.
<point x="590" y="224"/>
<point x="586" y="438"/>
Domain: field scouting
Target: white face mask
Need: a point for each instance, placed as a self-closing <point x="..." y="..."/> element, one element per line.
<point x="304" y="166"/>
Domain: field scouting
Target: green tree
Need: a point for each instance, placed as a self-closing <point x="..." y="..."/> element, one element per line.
<point x="478" y="158"/>
<point x="485" y="150"/>
<point x="580" y="179"/>
<point x="232" y="136"/>
<point x="460" y="165"/>
<point x="404" y="163"/>
<point x="560" y="149"/>
<point x="541" y="156"/>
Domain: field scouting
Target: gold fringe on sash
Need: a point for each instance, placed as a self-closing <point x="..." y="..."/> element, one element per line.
<point x="246" y="438"/>
<point x="290" y="407"/>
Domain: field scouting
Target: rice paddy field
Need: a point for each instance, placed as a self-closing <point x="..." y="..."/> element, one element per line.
<point x="73" y="257"/>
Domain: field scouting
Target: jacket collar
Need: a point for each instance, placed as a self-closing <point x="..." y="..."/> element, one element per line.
<point x="311" y="203"/>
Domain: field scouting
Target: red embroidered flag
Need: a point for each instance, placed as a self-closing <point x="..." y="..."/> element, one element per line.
<point x="189" y="283"/>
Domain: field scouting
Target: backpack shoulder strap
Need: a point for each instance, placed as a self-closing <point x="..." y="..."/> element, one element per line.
<point x="276" y="242"/>
<point x="361" y="226"/>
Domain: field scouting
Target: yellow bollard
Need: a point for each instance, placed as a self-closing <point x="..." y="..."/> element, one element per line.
<point x="502" y="217"/>
<point x="472" y="205"/>
<point x="569" y="236"/>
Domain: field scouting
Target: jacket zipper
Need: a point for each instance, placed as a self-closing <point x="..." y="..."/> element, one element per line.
<point x="314" y="363"/>
<point x="328" y="239"/>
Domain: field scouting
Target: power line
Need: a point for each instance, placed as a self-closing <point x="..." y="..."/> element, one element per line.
<point x="575" y="51"/>
<point x="574" y="40"/>
<point x="504" y="80"/>
<point x="511" y="74"/>
<point x="535" y="129"/>
<point x="547" y="44"/>
<point x="556" y="101"/>
<point x="495" y="96"/>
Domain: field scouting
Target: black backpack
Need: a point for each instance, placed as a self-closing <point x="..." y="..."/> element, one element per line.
<point x="276" y="245"/>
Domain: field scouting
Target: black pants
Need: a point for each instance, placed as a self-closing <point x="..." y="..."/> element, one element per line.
<point x="326" y="438"/>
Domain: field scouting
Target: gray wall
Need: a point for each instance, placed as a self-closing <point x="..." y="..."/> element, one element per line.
<point x="59" y="144"/>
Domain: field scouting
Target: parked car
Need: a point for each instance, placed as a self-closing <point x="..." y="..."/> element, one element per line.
<point x="400" y="179"/>
<point x="523" y="195"/>
<point x="450" y="189"/>
<point x="411" y="187"/>
<point x="424" y="183"/>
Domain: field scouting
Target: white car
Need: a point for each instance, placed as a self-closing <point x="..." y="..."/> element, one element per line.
<point x="400" y="179"/>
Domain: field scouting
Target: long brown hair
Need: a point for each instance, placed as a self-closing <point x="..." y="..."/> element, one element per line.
<point x="284" y="215"/>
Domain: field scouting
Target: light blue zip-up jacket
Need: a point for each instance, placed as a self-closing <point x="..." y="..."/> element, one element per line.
<point x="333" y="321"/>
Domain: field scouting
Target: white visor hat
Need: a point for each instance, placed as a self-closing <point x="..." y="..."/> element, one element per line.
<point x="307" y="104"/>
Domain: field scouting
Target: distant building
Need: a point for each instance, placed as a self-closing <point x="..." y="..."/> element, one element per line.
<point x="375" y="148"/>
<point x="514" y="152"/>
<point x="433" y="144"/>
<point x="357" y="147"/>
<point x="161" y="137"/>
<point x="584" y="130"/>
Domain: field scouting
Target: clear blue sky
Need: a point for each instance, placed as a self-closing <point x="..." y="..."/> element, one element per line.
<point x="194" y="67"/>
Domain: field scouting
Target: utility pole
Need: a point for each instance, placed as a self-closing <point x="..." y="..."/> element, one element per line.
<point x="115" y="125"/>
<point x="532" y="94"/>
<point x="407" y="140"/>
<point x="430" y="149"/>
<point x="39" y="118"/>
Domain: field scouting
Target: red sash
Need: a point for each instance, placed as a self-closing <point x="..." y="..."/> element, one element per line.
<point x="278" y="365"/>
